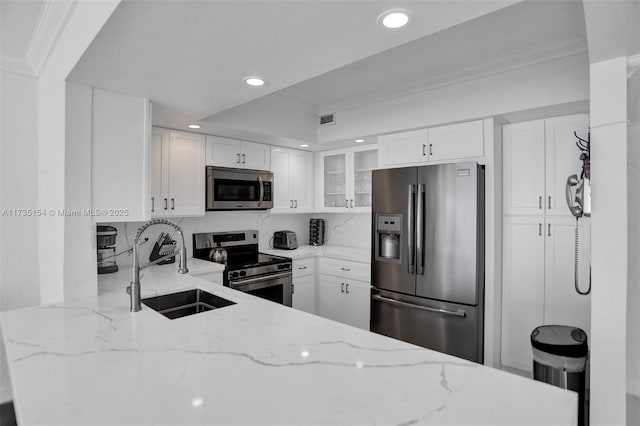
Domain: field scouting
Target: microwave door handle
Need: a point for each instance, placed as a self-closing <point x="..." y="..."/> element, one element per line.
<point x="261" y="184"/>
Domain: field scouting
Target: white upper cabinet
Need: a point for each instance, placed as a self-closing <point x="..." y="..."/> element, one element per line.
<point x="235" y="153"/>
<point x="403" y="148"/>
<point x="436" y="144"/>
<point x="119" y="157"/>
<point x="177" y="173"/>
<point x="344" y="179"/>
<point x="457" y="141"/>
<point x="523" y="167"/>
<point x="292" y="180"/>
<point x="538" y="157"/>
<point x="562" y="158"/>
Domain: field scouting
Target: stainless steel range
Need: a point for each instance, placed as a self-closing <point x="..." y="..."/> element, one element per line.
<point x="247" y="270"/>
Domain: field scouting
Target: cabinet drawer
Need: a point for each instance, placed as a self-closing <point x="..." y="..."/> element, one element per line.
<point x="342" y="268"/>
<point x="304" y="267"/>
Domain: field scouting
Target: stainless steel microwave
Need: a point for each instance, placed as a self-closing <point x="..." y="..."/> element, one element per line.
<point x="239" y="189"/>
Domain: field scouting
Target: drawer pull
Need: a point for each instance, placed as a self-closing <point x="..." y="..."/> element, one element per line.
<point x="302" y="267"/>
<point x="346" y="269"/>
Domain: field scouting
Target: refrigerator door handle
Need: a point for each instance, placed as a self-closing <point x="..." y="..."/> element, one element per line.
<point x="420" y="229"/>
<point x="457" y="313"/>
<point x="410" y="229"/>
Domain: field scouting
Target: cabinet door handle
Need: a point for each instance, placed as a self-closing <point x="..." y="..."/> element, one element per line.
<point x="540" y="202"/>
<point x="173" y="204"/>
<point x="244" y="158"/>
<point x="549" y="206"/>
<point x="346" y="269"/>
<point x="238" y="158"/>
<point x="153" y="204"/>
<point x="351" y="203"/>
<point x="293" y="288"/>
<point x="165" y="203"/>
<point x="346" y="202"/>
<point x="290" y="204"/>
<point x="540" y="230"/>
<point x="430" y="149"/>
<point x="549" y="229"/>
<point x="341" y="287"/>
<point x="296" y="204"/>
<point x="347" y="289"/>
<point x="424" y="149"/>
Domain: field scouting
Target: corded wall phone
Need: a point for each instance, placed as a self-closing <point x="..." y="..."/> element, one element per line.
<point x="580" y="203"/>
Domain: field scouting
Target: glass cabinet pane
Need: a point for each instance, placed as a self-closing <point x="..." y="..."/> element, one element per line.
<point x="363" y="163"/>
<point x="335" y="185"/>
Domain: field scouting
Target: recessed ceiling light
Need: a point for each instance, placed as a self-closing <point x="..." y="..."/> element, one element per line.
<point x="193" y="126"/>
<point x="396" y="18"/>
<point x="254" y="80"/>
<point x="304" y="145"/>
<point x="359" y="140"/>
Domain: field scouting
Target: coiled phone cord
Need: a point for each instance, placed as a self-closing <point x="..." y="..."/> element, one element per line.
<point x="583" y="293"/>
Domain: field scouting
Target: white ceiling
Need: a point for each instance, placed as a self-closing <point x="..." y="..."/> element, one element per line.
<point x="507" y="32"/>
<point x="190" y="56"/>
<point x="18" y="20"/>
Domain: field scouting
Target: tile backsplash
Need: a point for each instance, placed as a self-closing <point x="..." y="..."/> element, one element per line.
<point x="341" y="229"/>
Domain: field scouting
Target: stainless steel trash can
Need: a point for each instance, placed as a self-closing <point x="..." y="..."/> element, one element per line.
<point x="559" y="358"/>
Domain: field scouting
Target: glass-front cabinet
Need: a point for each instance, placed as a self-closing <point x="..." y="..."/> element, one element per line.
<point x="346" y="179"/>
<point x="335" y="180"/>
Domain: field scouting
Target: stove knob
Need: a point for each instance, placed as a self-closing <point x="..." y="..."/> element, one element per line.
<point x="243" y="273"/>
<point x="234" y="275"/>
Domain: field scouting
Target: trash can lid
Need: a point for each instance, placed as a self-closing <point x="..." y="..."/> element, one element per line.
<point x="560" y="340"/>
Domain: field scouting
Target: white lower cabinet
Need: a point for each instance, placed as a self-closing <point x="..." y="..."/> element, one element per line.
<point x="304" y="285"/>
<point x="538" y="281"/>
<point x="342" y="298"/>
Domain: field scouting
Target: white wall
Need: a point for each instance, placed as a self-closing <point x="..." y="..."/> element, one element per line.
<point x="344" y="229"/>
<point x="555" y="82"/>
<point x="609" y="236"/>
<point x="19" y="266"/>
<point x="79" y="231"/>
<point x="264" y="222"/>
<point x="633" y="291"/>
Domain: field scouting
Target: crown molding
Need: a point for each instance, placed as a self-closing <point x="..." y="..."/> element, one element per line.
<point x="16" y="65"/>
<point x="633" y="64"/>
<point x="544" y="52"/>
<point x="52" y="19"/>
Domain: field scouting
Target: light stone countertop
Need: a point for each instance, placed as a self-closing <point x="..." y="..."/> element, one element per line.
<point x="354" y="254"/>
<point x="91" y="361"/>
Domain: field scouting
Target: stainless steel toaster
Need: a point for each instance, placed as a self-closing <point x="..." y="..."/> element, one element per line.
<point x="286" y="240"/>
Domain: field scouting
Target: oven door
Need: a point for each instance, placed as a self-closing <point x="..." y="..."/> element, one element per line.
<point x="237" y="189"/>
<point x="274" y="287"/>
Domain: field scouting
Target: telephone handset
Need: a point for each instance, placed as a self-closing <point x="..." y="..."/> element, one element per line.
<point x="580" y="203"/>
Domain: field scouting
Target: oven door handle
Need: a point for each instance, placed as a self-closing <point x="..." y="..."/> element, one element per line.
<point x="247" y="281"/>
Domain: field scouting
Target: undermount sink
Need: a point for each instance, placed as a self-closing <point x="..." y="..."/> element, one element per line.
<point x="184" y="303"/>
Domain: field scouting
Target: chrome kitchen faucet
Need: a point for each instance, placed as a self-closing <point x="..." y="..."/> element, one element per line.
<point x="134" y="287"/>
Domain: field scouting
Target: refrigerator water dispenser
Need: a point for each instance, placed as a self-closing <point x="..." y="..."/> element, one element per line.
<point x="388" y="236"/>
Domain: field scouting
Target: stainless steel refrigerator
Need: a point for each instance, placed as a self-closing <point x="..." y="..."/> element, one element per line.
<point x="427" y="263"/>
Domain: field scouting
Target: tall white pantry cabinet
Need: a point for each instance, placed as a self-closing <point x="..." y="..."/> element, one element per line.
<point x="539" y="234"/>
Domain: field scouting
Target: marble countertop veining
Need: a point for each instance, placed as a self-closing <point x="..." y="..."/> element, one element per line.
<point x="354" y="254"/>
<point x="91" y="361"/>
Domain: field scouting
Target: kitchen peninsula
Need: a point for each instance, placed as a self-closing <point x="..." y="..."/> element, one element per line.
<point x="92" y="361"/>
